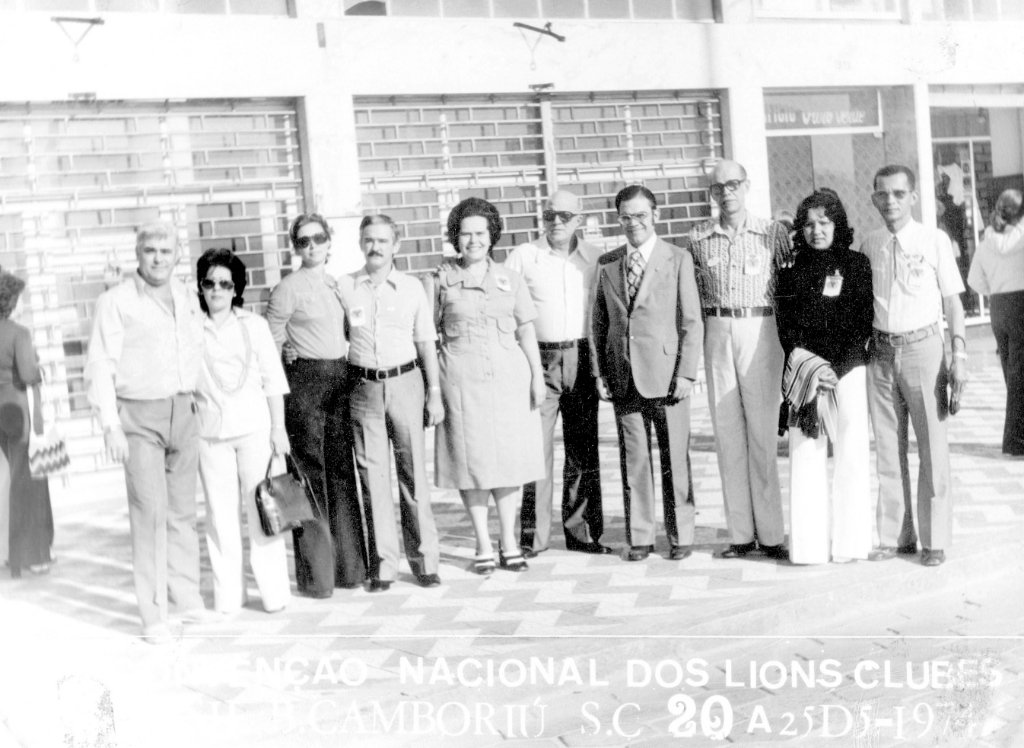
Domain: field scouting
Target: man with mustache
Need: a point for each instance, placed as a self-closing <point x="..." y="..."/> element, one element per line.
<point x="391" y="351"/>
<point x="737" y="258"/>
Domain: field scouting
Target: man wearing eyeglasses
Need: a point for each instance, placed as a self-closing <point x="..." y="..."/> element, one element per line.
<point x="143" y="364"/>
<point x="737" y="258"/>
<point x="915" y="281"/>
<point x="559" y="271"/>
<point x="646" y="336"/>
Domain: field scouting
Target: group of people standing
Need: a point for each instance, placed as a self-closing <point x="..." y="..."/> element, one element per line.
<point x="342" y="371"/>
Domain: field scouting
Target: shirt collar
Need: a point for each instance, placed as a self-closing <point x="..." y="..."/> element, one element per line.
<point x="751" y="224"/>
<point x="391" y="278"/>
<point x="142" y="287"/>
<point x="458" y="274"/>
<point x="646" y="248"/>
<point x="238" y="314"/>
<point x="906" y="234"/>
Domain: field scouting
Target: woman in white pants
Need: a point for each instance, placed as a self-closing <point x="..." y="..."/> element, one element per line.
<point x="825" y="307"/>
<point x="241" y="408"/>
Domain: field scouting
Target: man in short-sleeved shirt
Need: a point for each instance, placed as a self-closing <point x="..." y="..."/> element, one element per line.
<point x="914" y="279"/>
<point x="559" y="270"/>
<point x="144" y="358"/>
<point x="391" y="336"/>
<point x="736" y="259"/>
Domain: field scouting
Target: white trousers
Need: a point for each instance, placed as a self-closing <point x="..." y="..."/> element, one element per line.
<point x="230" y="470"/>
<point x="836" y="522"/>
<point x="743" y="359"/>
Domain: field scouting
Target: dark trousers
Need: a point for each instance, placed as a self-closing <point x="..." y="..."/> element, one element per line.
<point x="1008" y="329"/>
<point x="634" y="417"/>
<point x="316" y="417"/>
<point x="31" y="515"/>
<point x="571" y="390"/>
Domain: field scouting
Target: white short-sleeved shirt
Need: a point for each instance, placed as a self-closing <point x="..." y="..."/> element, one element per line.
<point x="910" y="282"/>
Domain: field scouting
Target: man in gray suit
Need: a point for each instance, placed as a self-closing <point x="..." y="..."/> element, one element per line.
<point x="646" y="338"/>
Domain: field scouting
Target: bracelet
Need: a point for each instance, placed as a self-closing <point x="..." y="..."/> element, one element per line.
<point x="960" y="354"/>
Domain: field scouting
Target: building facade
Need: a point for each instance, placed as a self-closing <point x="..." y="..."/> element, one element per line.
<point x="228" y="117"/>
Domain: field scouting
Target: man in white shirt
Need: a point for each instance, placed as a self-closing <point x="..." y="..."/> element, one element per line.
<point x="143" y="364"/>
<point x="559" y="271"/>
<point x="914" y="279"/>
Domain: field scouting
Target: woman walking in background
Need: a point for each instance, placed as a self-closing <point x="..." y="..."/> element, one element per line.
<point x="997" y="270"/>
<point x="489" y="443"/>
<point x="31" y="516"/>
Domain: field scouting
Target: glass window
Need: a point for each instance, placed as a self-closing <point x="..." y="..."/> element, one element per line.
<point x="195" y="6"/>
<point x="414" y="7"/>
<point x="653" y="9"/>
<point x="365" y="8"/>
<point x="562" y="8"/>
<point x="465" y="9"/>
<point x="695" y="10"/>
<point x="260" y="7"/>
<point x="986" y="10"/>
<point x="127" y="6"/>
<point x="516" y="9"/>
<point x="56" y="4"/>
<point x="955" y="10"/>
<point x="609" y="9"/>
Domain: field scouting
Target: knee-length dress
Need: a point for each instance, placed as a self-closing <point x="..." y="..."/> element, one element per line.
<point x="490" y="436"/>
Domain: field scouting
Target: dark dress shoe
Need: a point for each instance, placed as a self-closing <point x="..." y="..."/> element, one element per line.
<point x="778" y="552"/>
<point x="529" y="552"/>
<point x="882" y="553"/>
<point x="738" y="550"/>
<point x="680" y="552"/>
<point x="932" y="558"/>
<point x="428" y="580"/>
<point x="593" y="548"/>
<point x="907" y="550"/>
<point x="638" y="553"/>
<point x="378" y="585"/>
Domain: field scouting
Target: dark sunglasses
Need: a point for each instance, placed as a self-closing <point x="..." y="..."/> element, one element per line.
<point x="304" y="241"/>
<point x="563" y="215"/>
<point x="209" y="284"/>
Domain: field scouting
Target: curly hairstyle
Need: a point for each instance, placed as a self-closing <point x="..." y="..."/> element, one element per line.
<point x="1008" y="211"/>
<point x="11" y="287"/>
<point x="303" y="220"/>
<point x="827" y="199"/>
<point x="224" y="258"/>
<point x="473" y="206"/>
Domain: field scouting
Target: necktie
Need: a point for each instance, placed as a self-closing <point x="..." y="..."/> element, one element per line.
<point x="634" y="273"/>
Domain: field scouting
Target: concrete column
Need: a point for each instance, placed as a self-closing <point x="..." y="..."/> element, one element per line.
<point x="926" y="166"/>
<point x="747" y="143"/>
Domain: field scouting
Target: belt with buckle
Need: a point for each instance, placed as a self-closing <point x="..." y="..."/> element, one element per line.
<point x="376" y="375"/>
<point x="906" y="338"/>
<point x="750" y="311"/>
<point x="563" y="345"/>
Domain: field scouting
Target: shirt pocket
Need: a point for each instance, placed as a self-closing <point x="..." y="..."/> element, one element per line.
<point x="507" y="331"/>
<point x="914" y="272"/>
<point x="456" y="332"/>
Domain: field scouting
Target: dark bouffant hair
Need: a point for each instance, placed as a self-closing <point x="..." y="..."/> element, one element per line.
<point x="1008" y="211"/>
<point x="825" y="198"/>
<point x="11" y="287"/>
<point x="635" y="190"/>
<point x="473" y="206"/>
<point x="224" y="258"/>
<point x="304" y="219"/>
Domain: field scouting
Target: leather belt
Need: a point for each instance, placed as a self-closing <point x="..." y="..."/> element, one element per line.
<point x="905" y="338"/>
<point x="377" y="375"/>
<point x="563" y="345"/>
<point x="750" y="311"/>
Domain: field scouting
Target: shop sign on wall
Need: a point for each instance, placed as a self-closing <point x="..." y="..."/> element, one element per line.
<point x="825" y="110"/>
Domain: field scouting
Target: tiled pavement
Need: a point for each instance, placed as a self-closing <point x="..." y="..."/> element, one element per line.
<point x="345" y="671"/>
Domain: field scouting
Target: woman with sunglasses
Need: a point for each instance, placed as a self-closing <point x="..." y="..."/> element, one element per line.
<point x="305" y="311"/>
<point x="242" y="390"/>
<point x="825" y="308"/>
<point x="492" y="384"/>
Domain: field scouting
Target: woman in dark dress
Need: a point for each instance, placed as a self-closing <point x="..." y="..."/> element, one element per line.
<point x="825" y="308"/>
<point x="31" y="517"/>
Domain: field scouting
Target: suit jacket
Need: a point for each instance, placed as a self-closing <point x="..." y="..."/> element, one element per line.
<point x="658" y="337"/>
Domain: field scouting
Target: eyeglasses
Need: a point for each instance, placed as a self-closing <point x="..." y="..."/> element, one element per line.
<point x="733" y="185"/>
<point x="562" y="215"/>
<point x="881" y="195"/>
<point x="209" y="284"/>
<point x="304" y="241"/>
<point x="628" y="218"/>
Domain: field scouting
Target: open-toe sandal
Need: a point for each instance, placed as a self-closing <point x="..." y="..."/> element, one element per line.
<point x="483" y="565"/>
<point x="513" y="562"/>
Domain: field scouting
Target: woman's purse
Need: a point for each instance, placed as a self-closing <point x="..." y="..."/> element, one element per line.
<point x="285" y="501"/>
<point x="47" y="452"/>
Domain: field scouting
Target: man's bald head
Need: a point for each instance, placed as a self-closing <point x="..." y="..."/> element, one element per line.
<point x="562" y="216"/>
<point x="726" y="170"/>
<point x="565" y="201"/>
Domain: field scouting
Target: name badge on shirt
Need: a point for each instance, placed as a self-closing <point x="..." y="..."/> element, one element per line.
<point x="357" y="316"/>
<point x="752" y="265"/>
<point x="501" y="281"/>
<point x="833" y="284"/>
<point x="714" y="260"/>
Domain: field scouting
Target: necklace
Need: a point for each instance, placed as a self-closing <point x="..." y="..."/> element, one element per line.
<point x="245" y="365"/>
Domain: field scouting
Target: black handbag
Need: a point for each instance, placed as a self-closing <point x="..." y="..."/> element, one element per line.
<point x="285" y="501"/>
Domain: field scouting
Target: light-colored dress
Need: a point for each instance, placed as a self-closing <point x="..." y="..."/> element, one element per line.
<point x="490" y="437"/>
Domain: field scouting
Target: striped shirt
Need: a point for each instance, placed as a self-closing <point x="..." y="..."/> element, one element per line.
<point x="739" y="272"/>
<point x="910" y="282"/>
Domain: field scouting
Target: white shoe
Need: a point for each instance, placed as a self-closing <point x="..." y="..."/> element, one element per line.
<point x="158" y="634"/>
<point x="201" y="615"/>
